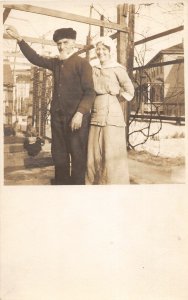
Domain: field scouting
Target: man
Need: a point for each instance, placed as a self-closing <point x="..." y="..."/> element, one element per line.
<point x="73" y="96"/>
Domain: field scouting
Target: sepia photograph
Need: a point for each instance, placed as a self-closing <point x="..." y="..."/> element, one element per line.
<point x="93" y="162"/>
<point x="116" y="117"/>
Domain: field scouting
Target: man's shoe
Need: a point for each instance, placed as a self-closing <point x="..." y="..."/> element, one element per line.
<point x="53" y="182"/>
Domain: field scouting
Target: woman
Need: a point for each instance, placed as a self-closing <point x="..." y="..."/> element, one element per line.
<point x="107" y="154"/>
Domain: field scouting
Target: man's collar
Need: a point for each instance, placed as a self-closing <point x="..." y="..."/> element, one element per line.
<point x="70" y="54"/>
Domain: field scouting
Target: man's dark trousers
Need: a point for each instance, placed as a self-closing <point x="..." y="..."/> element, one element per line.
<point x="68" y="145"/>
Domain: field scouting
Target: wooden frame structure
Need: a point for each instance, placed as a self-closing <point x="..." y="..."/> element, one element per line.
<point x="120" y="26"/>
<point x="124" y="34"/>
<point x="125" y="31"/>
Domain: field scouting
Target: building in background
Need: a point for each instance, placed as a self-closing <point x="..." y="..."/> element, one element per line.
<point x="8" y="85"/>
<point x="17" y="97"/>
<point x="161" y="88"/>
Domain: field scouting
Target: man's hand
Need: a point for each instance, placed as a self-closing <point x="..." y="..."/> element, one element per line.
<point x="11" y="31"/>
<point x="76" y="122"/>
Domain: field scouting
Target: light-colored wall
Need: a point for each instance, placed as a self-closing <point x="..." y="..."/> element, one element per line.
<point x="174" y="80"/>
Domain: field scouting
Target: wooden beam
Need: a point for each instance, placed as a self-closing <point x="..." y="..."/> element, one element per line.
<point x="102" y="28"/>
<point x="40" y="41"/>
<point x="6" y="14"/>
<point x="158" y="117"/>
<point x="20" y="55"/>
<point x="153" y="37"/>
<point x="122" y="37"/>
<point x="85" y="49"/>
<point x="159" y="35"/>
<point x="130" y="55"/>
<point x="66" y="16"/>
<point x="114" y="36"/>
<point x="20" y="63"/>
<point x="89" y="47"/>
<point x="122" y="53"/>
<point x="32" y="40"/>
<point x="88" y="38"/>
<point x="22" y="71"/>
<point x="12" y="54"/>
<point x="165" y="63"/>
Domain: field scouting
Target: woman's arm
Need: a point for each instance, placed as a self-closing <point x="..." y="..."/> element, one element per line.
<point x="126" y="85"/>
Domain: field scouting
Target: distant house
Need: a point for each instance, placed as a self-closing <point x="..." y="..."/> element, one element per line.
<point x="22" y="92"/>
<point x="8" y="84"/>
<point x="161" y="88"/>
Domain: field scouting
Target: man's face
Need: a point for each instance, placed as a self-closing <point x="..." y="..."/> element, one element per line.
<point x="65" y="47"/>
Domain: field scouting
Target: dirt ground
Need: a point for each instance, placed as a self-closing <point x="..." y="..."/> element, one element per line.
<point x="144" y="168"/>
<point x="158" y="161"/>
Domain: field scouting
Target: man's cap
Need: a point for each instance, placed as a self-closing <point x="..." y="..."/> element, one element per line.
<point x="64" y="33"/>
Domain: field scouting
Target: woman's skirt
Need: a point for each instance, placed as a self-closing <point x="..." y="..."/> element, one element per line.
<point x="107" y="161"/>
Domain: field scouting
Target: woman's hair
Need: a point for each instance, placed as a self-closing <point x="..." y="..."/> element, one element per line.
<point x="106" y="41"/>
<point x="104" y="46"/>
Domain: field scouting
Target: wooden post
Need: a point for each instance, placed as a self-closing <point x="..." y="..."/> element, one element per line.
<point x="122" y="45"/>
<point x="64" y="15"/>
<point x="122" y="37"/>
<point x="102" y="28"/>
<point x="6" y="14"/>
<point x="125" y="50"/>
<point x="88" y="39"/>
<point x="130" y="57"/>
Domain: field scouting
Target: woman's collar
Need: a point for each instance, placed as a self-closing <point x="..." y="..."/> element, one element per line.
<point x="109" y="64"/>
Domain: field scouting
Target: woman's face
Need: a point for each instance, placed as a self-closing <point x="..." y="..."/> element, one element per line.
<point x="103" y="52"/>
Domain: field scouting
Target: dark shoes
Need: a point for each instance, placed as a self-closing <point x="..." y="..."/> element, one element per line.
<point x="53" y="181"/>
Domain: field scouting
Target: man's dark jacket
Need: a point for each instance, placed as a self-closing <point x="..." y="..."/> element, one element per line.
<point x="73" y="84"/>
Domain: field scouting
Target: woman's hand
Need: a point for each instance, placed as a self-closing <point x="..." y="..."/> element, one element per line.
<point x="12" y="31"/>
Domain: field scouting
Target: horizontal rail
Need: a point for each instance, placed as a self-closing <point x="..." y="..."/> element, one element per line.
<point x="66" y="16"/>
<point x="152" y="37"/>
<point x="158" y="117"/>
<point x="159" y="35"/>
<point x="165" y="63"/>
<point x="40" y="41"/>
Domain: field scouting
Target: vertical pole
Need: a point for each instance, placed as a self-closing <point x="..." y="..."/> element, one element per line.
<point x="131" y="41"/>
<point x="122" y="37"/>
<point x="125" y="49"/>
<point x="130" y="57"/>
<point x="37" y="103"/>
<point x="88" y="39"/>
<point x="122" y="45"/>
<point x="35" y="96"/>
<point x="16" y="101"/>
<point x="44" y="97"/>
<point x="6" y="14"/>
<point x="30" y="104"/>
<point x="102" y="28"/>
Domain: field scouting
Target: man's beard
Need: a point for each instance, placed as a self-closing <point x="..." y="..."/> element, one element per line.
<point x="64" y="54"/>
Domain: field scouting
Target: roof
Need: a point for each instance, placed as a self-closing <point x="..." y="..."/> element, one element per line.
<point x="176" y="49"/>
